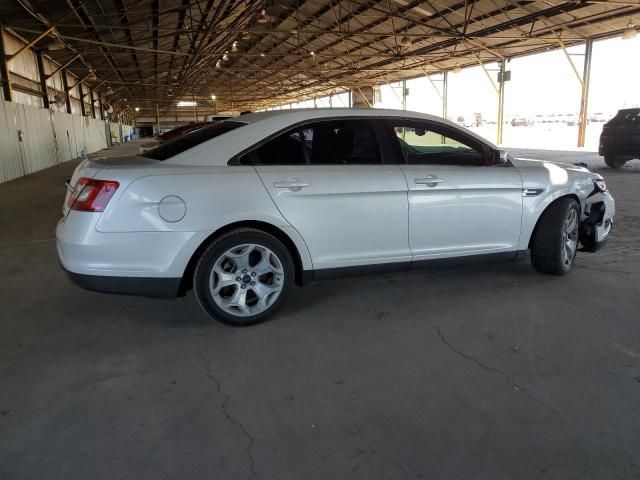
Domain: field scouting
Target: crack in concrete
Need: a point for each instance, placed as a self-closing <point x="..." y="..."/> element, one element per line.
<point x="507" y="376"/>
<point x="225" y="412"/>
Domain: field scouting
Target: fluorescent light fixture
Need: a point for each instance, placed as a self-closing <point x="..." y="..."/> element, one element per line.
<point x="137" y="109"/>
<point x="187" y="103"/>
<point x="263" y="17"/>
<point x="212" y="96"/>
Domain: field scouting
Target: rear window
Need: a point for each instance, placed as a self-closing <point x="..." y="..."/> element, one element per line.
<point x="190" y="140"/>
<point x="627" y="116"/>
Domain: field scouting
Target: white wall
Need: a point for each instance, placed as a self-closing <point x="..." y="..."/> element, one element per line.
<point x="48" y="138"/>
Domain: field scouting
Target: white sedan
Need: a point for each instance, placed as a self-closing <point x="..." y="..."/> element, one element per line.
<point x="242" y="210"/>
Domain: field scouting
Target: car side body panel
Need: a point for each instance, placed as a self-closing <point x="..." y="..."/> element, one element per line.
<point x="348" y="214"/>
<point x="131" y="237"/>
<point x="163" y="211"/>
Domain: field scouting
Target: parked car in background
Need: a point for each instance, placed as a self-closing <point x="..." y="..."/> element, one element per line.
<point x="521" y="122"/>
<point x="216" y="118"/>
<point x="620" y="138"/>
<point x="183" y="130"/>
<point x="241" y="210"/>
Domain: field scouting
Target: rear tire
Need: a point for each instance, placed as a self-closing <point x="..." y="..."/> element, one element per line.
<point x="243" y="277"/>
<point x="614" y="162"/>
<point x="555" y="240"/>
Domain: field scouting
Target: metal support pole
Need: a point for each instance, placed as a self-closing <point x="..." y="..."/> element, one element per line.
<point x="43" y="80"/>
<point x="404" y="94"/>
<point x="81" y="95"/>
<point x="4" y="70"/>
<point x="158" y="118"/>
<point x="501" y="101"/>
<point x="584" y="100"/>
<point x="445" y="93"/>
<point x="100" y="108"/>
<point x="65" y="86"/>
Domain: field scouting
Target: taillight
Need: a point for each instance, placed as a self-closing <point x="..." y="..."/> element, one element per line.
<point x="92" y="195"/>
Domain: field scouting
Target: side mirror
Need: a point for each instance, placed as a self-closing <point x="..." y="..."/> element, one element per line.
<point x="502" y="157"/>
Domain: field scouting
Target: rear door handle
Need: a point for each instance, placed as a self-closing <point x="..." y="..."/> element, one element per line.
<point x="428" y="180"/>
<point x="294" y="185"/>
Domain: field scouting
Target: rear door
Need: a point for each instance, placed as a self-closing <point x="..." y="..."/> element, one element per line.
<point x="332" y="181"/>
<point x="460" y="201"/>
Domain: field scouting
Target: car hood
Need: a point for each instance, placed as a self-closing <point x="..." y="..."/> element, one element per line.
<point x="524" y="163"/>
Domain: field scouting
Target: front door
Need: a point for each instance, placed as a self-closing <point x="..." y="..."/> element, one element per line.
<point x="461" y="202"/>
<point x="332" y="182"/>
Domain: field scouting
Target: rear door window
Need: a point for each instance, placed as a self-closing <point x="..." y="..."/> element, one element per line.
<point x="327" y="142"/>
<point x="342" y="142"/>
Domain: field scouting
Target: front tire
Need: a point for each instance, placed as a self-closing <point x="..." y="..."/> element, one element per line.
<point x="614" y="162"/>
<point x="243" y="277"/>
<point x="555" y="240"/>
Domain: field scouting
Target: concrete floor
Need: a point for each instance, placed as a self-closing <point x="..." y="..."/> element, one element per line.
<point x="491" y="372"/>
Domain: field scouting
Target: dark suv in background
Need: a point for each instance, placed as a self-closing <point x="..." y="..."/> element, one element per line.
<point x="620" y="138"/>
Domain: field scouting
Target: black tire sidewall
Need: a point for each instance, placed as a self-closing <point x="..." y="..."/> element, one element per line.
<point x="546" y="251"/>
<point x="220" y="246"/>
<point x="567" y="268"/>
<point x="614" y="162"/>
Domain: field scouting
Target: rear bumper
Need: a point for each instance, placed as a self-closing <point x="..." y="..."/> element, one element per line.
<point x="148" y="287"/>
<point x="139" y="263"/>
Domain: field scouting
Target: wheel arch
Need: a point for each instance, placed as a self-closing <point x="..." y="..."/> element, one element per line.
<point x="572" y="196"/>
<point x="300" y="276"/>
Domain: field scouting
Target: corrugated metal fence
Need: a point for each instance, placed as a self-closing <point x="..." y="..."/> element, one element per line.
<point x="33" y="138"/>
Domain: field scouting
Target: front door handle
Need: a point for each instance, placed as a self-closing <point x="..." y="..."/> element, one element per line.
<point x="428" y="180"/>
<point x="292" y="184"/>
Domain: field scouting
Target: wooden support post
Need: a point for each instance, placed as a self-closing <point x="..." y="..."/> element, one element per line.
<point x="404" y="94"/>
<point x="501" y="101"/>
<point x="43" y="80"/>
<point x="5" y="76"/>
<point x="584" y="100"/>
<point x="31" y="44"/>
<point x="92" y="106"/>
<point x="65" y="86"/>
<point x="81" y="95"/>
<point x="445" y="93"/>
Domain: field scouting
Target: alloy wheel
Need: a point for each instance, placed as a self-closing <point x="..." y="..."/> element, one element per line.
<point x="569" y="237"/>
<point x="246" y="280"/>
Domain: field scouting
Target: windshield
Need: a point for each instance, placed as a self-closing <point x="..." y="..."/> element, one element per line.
<point x="190" y="140"/>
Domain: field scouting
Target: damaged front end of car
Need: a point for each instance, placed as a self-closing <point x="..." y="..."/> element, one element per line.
<point x="597" y="218"/>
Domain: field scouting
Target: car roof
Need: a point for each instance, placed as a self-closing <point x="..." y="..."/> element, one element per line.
<point x="298" y="115"/>
<point x="301" y="114"/>
<point x="261" y="125"/>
